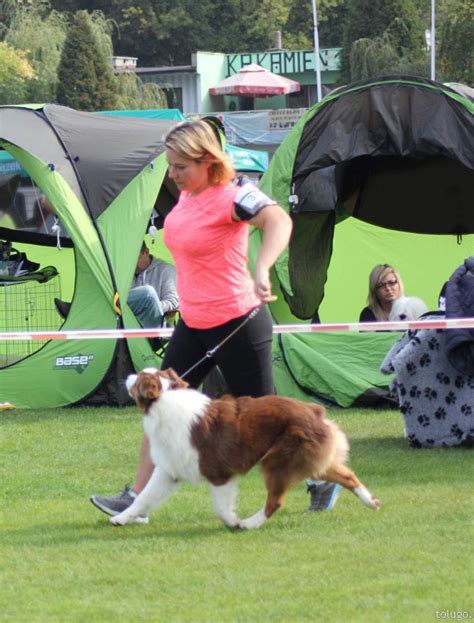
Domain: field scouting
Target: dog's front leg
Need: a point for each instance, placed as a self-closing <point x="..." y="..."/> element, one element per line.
<point x="158" y="489"/>
<point x="224" y="500"/>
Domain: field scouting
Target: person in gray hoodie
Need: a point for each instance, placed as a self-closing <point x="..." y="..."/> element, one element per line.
<point x="153" y="292"/>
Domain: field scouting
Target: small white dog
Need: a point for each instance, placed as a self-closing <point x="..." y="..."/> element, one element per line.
<point x="407" y="308"/>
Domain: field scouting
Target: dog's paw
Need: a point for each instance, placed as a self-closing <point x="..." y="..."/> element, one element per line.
<point x="254" y="522"/>
<point x="367" y="498"/>
<point x="119" y="520"/>
<point x="375" y="504"/>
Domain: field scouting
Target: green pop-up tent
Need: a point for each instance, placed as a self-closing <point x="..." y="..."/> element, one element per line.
<point x="103" y="176"/>
<point x="379" y="171"/>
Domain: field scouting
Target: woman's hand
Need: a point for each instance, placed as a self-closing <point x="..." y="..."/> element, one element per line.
<point x="263" y="286"/>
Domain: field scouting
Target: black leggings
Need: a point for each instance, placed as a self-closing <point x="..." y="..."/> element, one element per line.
<point x="245" y="360"/>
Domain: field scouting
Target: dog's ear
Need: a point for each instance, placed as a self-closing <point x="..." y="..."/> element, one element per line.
<point x="176" y="381"/>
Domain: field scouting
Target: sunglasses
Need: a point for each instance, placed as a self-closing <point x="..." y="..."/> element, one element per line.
<point x="387" y="284"/>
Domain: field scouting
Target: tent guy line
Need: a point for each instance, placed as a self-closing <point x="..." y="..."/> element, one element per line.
<point x="364" y="327"/>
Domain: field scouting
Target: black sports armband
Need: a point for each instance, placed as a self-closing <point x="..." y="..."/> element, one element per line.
<point x="249" y="201"/>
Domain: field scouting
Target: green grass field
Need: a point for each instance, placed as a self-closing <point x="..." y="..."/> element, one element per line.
<point x="62" y="562"/>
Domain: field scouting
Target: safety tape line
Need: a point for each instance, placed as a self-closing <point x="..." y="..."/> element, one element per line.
<point x="365" y="327"/>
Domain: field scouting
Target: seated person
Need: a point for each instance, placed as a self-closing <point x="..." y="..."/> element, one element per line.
<point x="407" y="308"/>
<point x="385" y="286"/>
<point x="153" y="293"/>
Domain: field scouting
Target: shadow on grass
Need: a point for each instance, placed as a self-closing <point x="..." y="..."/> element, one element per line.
<point x="38" y="416"/>
<point x="46" y="535"/>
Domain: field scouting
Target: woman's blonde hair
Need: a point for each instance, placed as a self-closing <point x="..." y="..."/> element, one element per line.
<point x="195" y="140"/>
<point x="376" y="277"/>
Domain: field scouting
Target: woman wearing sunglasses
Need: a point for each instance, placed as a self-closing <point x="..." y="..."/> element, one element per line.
<point x="385" y="287"/>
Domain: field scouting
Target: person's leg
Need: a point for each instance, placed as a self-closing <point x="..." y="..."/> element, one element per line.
<point x="145" y="467"/>
<point x="185" y="349"/>
<point x="246" y="359"/>
<point x="145" y="304"/>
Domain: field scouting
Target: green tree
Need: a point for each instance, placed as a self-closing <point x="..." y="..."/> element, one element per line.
<point x="15" y="73"/>
<point x="298" y="32"/>
<point x="134" y="94"/>
<point x="40" y="33"/>
<point x="85" y="75"/>
<point x="455" y="50"/>
<point x="394" y="23"/>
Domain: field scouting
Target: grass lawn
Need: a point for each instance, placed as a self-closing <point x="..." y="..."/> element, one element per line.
<point x="62" y="562"/>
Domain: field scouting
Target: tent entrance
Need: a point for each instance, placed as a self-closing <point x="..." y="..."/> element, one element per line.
<point x="35" y="252"/>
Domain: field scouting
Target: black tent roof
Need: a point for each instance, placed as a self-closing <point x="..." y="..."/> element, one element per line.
<point x="396" y="152"/>
<point x="117" y="148"/>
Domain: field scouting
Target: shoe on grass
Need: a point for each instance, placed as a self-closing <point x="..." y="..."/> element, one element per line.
<point x="115" y="504"/>
<point x="323" y="496"/>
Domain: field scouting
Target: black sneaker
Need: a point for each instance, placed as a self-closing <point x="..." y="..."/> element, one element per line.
<point x="323" y="496"/>
<point x="116" y="504"/>
<point x="62" y="307"/>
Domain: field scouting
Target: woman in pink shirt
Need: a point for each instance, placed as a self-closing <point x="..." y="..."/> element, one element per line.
<point x="207" y="234"/>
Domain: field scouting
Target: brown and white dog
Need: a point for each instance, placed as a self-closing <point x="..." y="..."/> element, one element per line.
<point x="194" y="438"/>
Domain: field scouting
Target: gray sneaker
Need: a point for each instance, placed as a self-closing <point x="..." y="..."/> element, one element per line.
<point x="116" y="504"/>
<point x="323" y="496"/>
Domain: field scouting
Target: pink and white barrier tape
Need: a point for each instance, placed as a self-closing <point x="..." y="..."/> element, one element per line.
<point x="365" y="327"/>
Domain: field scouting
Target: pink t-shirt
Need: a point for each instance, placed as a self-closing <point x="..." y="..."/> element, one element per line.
<point x="210" y="254"/>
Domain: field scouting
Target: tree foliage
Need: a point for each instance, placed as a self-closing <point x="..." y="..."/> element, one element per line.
<point x="85" y="74"/>
<point x="15" y="74"/>
<point x="377" y="37"/>
<point x="393" y="27"/>
<point x="40" y="33"/>
<point x="134" y="94"/>
<point x="456" y="52"/>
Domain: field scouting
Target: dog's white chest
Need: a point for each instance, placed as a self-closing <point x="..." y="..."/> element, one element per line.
<point x="168" y="428"/>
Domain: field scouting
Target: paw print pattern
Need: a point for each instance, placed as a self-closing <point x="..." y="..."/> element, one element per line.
<point x="406" y="408"/>
<point x="414" y="442"/>
<point x="433" y="344"/>
<point x="459" y="382"/>
<point x="466" y="409"/>
<point x="455" y="430"/>
<point x="430" y="442"/>
<point x="440" y="413"/>
<point x="451" y="398"/>
<point x="415" y="392"/>
<point x="443" y="378"/>
<point x="425" y="360"/>
<point x="424" y="420"/>
<point x="430" y="393"/>
<point x="411" y="368"/>
<point x="402" y="389"/>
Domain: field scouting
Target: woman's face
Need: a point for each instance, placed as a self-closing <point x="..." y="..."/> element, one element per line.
<point x="188" y="174"/>
<point x="388" y="290"/>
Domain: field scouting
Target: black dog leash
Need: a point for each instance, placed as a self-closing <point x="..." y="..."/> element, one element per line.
<point x="210" y="353"/>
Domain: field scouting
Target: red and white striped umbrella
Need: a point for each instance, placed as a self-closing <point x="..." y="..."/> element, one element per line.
<point x="255" y="81"/>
